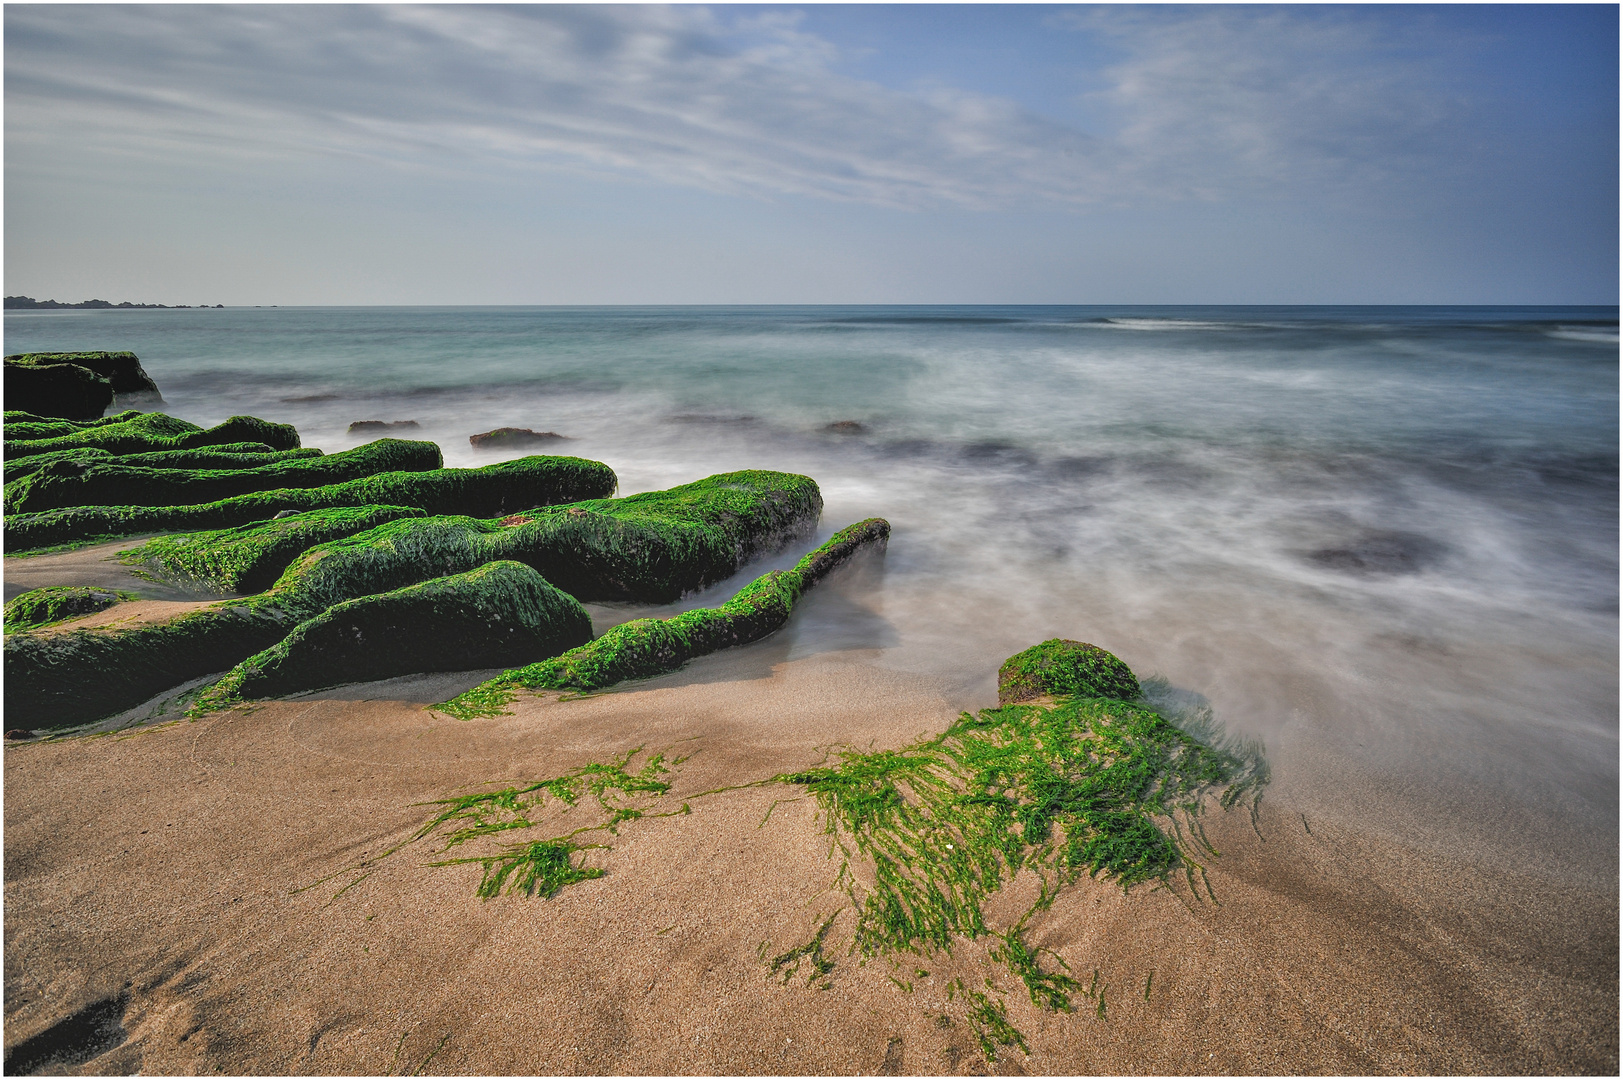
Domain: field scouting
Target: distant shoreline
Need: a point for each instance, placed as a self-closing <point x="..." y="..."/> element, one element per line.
<point x="28" y="303"/>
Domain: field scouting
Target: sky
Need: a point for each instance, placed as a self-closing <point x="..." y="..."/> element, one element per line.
<point x="605" y="154"/>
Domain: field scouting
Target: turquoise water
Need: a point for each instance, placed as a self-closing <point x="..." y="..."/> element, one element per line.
<point x="1379" y="539"/>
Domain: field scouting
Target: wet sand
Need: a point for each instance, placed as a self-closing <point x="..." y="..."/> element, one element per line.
<point x="194" y="875"/>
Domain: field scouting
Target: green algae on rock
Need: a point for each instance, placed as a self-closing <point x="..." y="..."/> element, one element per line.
<point x="22" y="426"/>
<point x="65" y="390"/>
<point x="494" y="489"/>
<point x="643" y="648"/>
<point x="500" y="613"/>
<point x="75" y="483"/>
<point x="249" y="558"/>
<point x="1061" y="666"/>
<point x="145" y="432"/>
<point x="246" y="455"/>
<point x="122" y="370"/>
<point x="54" y="603"/>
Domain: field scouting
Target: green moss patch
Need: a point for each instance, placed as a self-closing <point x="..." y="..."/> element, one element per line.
<point x="1060" y="666"/>
<point x="79" y="483"/>
<point x="494" y="615"/>
<point x="644" y="648"/>
<point x="42" y="607"/>
<point x="230" y="456"/>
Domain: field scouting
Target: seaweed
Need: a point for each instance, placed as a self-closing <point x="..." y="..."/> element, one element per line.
<point x="243" y="455"/>
<point x="80" y="483"/>
<point x="1061" y="666"/>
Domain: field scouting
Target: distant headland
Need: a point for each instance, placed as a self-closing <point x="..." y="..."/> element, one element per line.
<point x="24" y="302"/>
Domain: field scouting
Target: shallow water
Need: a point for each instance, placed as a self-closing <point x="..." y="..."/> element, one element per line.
<point x="1384" y="541"/>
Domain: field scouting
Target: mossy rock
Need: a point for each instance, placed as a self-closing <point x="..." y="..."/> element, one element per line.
<point x="137" y="433"/>
<point x="1059" y="666"/>
<point x="66" y="390"/>
<point x="495" y="489"/>
<point x="501" y="613"/>
<point x="26" y="426"/>
<point x="53" y="604"/>
<point x="249" y="558"/>
<point x="79" y="483"/>
<point x="716" y="523"/>
<point x="643" y="648"/>
<point x="246" y="455"/>
<point x="122" y="370"/>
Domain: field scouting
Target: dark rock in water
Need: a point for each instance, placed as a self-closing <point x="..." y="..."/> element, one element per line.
<point x="1061" y="666"/>
<point x="363" y="426"/>
<point x="65" y="390"/>
<point x="845" y="427"/>
<point x="18" y="734"/>
<point x="504" y="438"/>
<point x="122" y="370"/>
<point x="1381" y="553"/>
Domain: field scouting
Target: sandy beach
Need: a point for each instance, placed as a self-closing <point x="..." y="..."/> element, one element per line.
<point x="218" y="881"/>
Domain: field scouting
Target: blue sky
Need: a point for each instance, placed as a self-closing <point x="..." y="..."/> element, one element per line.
<point x="814" y="154"/>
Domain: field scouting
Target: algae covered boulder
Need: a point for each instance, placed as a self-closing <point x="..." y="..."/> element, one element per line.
<point x="66" y="390"/>
<point x="247" y="455"/>
<point x="40" y="607"/>
<point x="499" y="614"/>
<point x="249" y="558"/>
<point x="495" y="489"/>
<point x="1059" y="666"/>
<point x="81" y="483"/>
<point x="508" y="438"/>
<point x="135" y="433"/>
<point x="122" y="370"/>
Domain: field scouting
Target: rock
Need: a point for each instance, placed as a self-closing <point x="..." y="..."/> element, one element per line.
<point x="361" y="427"/>
<point x="845" y="427"/>
<point x="17" y="734"/>
<point x="1063" y="667"/>
<point x="41" y="607"/>
<point x="137" y="433"/>
<point x="506" y="438"/>
<point x="122" y="370"/>
<point x="498" y="614"/>
<point x="66" y="390"/>
<point x="494" y="490"/>
<point x="91" y="483"/>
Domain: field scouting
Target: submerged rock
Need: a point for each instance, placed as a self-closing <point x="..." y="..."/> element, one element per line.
<point x="1060" y="666"/>
<point x="845" y="427"/>
<point x="506" y="438"/>
<point x="82" y="483"/>
<point x="498" y="614"/>
<point x="362" y="427"/>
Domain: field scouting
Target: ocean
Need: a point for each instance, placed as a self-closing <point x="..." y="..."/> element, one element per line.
<point x="1381" y="542"/>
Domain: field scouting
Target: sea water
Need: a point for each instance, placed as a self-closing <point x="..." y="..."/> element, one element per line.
<point x="1381" y="541"/>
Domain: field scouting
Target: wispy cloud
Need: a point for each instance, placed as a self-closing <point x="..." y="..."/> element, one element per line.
<point x="1202" y="103"/>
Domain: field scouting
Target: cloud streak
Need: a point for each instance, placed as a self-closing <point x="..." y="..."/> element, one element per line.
<point x="1201" y="104"/>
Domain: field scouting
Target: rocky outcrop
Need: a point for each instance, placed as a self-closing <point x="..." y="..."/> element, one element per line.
<point x="66" y="390"/>
<point x="512" y="438"/>
<point x="1062" y="667"/>
<point x="378" y="427"/>
<point x="122" y="370"/>
<point x="137" y="433"/>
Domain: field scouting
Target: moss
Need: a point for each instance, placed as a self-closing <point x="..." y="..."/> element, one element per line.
<point x="230" y="456"/>
<point x="24" y="426"/>
<point x="492" y="490"/>
<point x="73" y="483"/>
<point x="149" y="432"/>
<point x="42" y="607"/>
<point x="497" y="614"/>
<point x="1060" y="666"/>
<point x="644" y="648"/>
<point x="249" y="558"/>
